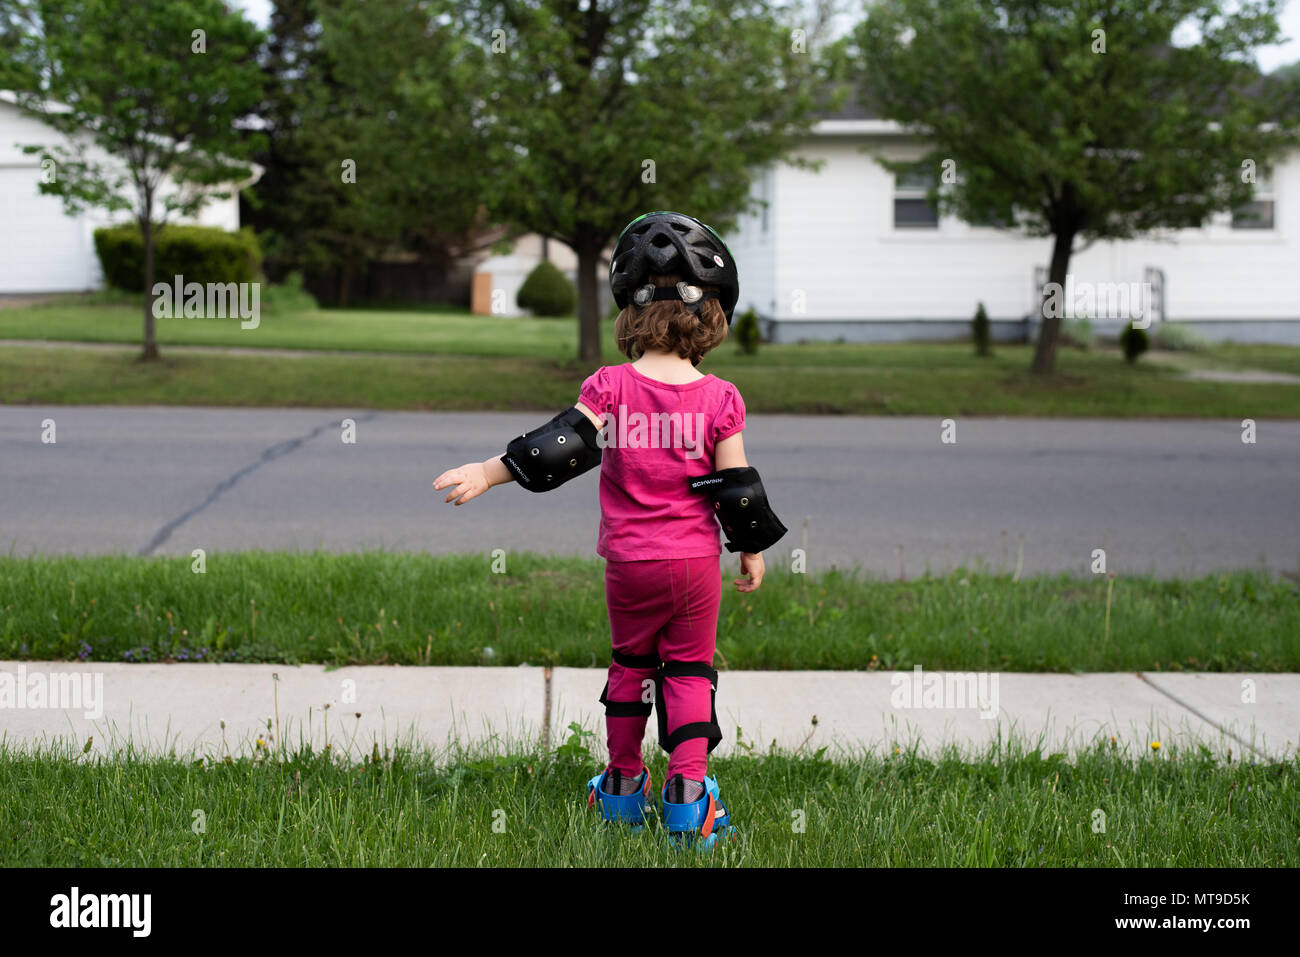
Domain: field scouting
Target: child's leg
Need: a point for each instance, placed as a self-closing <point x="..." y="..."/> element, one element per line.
<point x="691" y="635"/>
<point x="639" y="600"/>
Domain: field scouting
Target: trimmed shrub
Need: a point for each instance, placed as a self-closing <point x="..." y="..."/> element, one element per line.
<point x="547" y="292"/>
<point x="1077" y="333"/>
<point x="1134" y="342"/>
<point x="1178" y="337"/>
<point x="198" y="253"/>
<point x="288" y="296"/>
<point x="980" y="332"/>
<point x="747" y="334"/>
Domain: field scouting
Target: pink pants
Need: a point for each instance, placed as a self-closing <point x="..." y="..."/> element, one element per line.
<point x="666" y="607"/>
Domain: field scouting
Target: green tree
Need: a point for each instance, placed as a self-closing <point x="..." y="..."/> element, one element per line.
<point x="301" y="224"/>
<point x="1078" y="119"/>
<point x="369" y="147"/>
<point x="599" y="110"/>
<point x="146" y="95"/>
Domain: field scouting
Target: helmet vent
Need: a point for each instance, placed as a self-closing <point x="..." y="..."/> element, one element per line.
<point x="664" y="242"/>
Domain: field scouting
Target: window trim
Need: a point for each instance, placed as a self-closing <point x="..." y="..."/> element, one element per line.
<point x="912" y="193"/>
<point x="1265" y="191"/>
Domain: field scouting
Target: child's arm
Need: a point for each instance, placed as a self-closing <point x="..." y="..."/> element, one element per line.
<point x="730" y="454"/>
<point x="596" y="417"/>
<point x="475" y="478"/>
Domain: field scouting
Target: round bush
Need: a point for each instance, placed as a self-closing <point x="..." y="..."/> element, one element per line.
<point x="547" y="292"/>
<point x="1134" y="342"/>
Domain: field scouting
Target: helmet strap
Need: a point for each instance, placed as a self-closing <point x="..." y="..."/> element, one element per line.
<point x="662" y="293"/>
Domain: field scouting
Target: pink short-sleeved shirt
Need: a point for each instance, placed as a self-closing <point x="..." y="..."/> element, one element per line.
<point x="657" y="436"/>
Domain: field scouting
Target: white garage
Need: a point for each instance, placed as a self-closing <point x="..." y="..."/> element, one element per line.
<point x="41" y="248"/>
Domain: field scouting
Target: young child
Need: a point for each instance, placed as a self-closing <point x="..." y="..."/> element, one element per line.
<point x="673" y="467"/>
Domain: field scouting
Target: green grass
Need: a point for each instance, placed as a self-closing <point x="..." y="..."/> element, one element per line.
<point x="1008" y="807"/>
<point x="941" y="380"/>
<point x="64" y="376"/>
<point x="1269" y="358"/>
<point x="456" y="361"/>
<point x="119" y="319"/>
<point x="393" y="608"/>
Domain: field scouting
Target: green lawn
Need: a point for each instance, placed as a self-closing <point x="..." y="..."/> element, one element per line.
<point x="418" y="609"/>
<point x="1007" y="807"/>
<point x="109" y="318"/>
<point x="455" y="361"/>
<point x="938" y="380"/>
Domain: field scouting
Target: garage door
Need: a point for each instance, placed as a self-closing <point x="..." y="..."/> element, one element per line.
<point x="41" y="249"/>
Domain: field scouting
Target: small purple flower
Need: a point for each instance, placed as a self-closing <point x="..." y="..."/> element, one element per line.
<point x="129" y="655"/>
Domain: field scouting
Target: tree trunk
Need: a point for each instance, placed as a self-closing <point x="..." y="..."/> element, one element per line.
<point x="345" y="283"/>
<point x="150" y="339"/>
<point x="1049" y="330"/>
<point x="588" y="307"/>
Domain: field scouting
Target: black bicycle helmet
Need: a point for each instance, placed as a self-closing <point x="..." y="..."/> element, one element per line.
<point x="667" y="242"/>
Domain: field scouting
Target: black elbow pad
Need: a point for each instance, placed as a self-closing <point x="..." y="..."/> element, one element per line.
<point x="740" y="505"/>
<point x="549" y="456"/>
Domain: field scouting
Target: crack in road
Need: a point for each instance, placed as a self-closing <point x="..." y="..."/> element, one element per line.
<point x="268" y="455"/>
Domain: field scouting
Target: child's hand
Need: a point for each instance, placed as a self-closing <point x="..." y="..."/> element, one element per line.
<point x="751" y="564"/>
<point x="471" y="481"/>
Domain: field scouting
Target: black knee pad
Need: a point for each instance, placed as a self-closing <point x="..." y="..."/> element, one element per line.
<point x="697" y="729"/>
<point x="629" y="709"/>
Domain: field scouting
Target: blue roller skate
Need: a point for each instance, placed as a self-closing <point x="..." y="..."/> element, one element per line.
<point x="700" y="823"/>
<point x="631" y="808"/>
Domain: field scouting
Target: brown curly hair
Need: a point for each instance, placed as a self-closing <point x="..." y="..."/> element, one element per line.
<point x="668" y="325"/>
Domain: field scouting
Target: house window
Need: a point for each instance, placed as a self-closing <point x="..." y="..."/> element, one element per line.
<point x="912" y="210"/>
<point x="1258" y="213"/>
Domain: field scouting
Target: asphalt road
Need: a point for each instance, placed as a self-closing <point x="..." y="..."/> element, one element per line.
<point x="1172" y="497"/>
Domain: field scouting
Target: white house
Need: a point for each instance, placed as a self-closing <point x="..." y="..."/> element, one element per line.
<point x="854" y="252"/>
<point x="41" y="248"/>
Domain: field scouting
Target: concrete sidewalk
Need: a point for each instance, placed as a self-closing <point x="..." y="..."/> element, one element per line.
<point x="160" y="708"/>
